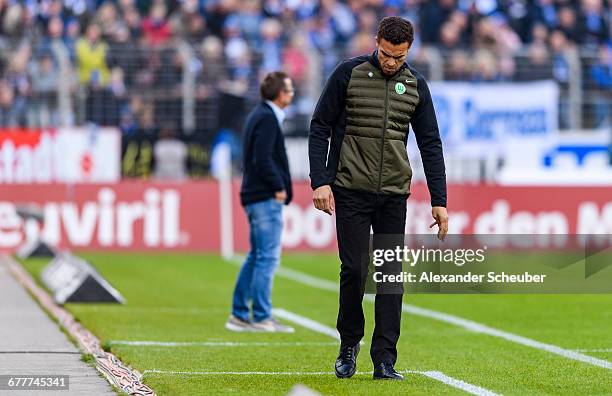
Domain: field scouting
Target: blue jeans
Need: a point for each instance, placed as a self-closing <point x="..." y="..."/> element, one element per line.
<point x="254" y="282"/>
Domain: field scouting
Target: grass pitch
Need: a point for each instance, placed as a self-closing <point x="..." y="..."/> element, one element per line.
<point x="178" y="299"/>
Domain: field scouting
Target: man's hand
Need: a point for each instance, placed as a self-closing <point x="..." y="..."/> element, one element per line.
<point x="323" y="199"/>
<point x="441" y="219"/>
<point x="280" y="196"/>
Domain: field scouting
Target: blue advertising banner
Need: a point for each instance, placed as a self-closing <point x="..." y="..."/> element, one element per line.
<point x="486" y="118"/>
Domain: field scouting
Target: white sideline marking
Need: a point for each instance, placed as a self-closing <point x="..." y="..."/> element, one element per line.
<point x="455" y="320"/>
<point x="594" y="350"/>
<point x="306" y="322"/>
<point x="436" y="375"/>
<point x="455" y="383"/>
<point x="321" y="328"/>
<point x="484" y="329"/>
<point x="306" y="279"/>
<point x="215" y="343"/>
<point x="243" y="372"/>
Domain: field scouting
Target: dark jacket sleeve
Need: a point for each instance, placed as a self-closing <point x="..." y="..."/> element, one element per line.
<point x="264" y="139"/>
<point x="326" y="114"/>
<point x="427" y="135"/>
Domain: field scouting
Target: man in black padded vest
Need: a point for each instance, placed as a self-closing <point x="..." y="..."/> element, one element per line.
<point x="363" y="175"/>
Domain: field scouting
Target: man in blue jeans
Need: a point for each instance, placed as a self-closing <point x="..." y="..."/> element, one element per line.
<point x="266" y="187"/>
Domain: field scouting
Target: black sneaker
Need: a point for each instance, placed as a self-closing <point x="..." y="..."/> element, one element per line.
<point x="386" y="371"/>
<point x="346" y="364"/>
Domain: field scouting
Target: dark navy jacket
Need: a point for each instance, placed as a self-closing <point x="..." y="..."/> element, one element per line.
<point x="265" y="164"/>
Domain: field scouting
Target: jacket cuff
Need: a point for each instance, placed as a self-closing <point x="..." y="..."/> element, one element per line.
<point x="438" y="203"/>
<point x="280" y="187"/>
<point x="318" y="181"/>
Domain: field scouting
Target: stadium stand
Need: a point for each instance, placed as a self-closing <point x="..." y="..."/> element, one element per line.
<point x="194" y="65"/>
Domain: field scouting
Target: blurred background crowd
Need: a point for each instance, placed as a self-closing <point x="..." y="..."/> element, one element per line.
<point x="191" y="68"/>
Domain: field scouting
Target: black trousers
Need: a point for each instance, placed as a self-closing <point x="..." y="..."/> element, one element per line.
<point x="356" y="211"/>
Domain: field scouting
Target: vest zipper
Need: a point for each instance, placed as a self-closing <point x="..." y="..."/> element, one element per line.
<point x="384" y="132"/>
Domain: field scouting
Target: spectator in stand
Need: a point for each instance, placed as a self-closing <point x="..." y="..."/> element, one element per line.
<point x="189" y="23"/>
<point x="546" y="12"/>
<point x="539" y="34"/>
<point x="322" y="38"/>
<point x="155" y="27"/>
<point x="270" y="46"/>
<point x="339" y="17"/>
<point x="520" y="17"/>
<point x="4" y="6"/>
<point x="216" y="14"/>
<point x="212" y="77"/>
<point x="450" y="36"/>
<point x="360" y="44"/>
<point x="6" y="104"/>
<point x="485" y="68"/>
<point x="91" y="54"/>
<point x="367" y="21"/>
<point x="561" y="48"/>
<point x="127" y="122"/>
<point x="146" y="120"/>
<point x="71" y="37"/>
<point x="601" y="77"/>
<point x="196" y="28"/>
<point x="601" y="71"/>
<point x="484" y="36"/>
<point x="124" y="53"/>
<point x="458" y="66"/>
<point x="170" y="155"/>
<point x="214" y="71"/>
<point x="593" y="26"/>
<point x="296" y="60"/>
<point x="19" y="82"/>
<point x="302" y="64"/>
<point x="250" y="18"/>
<point x="132" y="19"/>
<point x="539" y="63"/>
<point x="63" y="59"/>
<point x="506" y="40"/>
<point x="238" y="60"/>
<point x="54" y="36"/>
<point x="44" y="75"/>
<point x="107" y="20"/>
<point x="433" y="15"/>
<point x="410" y="10"/>
<point x="568" y="24"/>
<point x="461" y="20"/>
<point x="17" y="22"/>
<point x="52" y="9"/>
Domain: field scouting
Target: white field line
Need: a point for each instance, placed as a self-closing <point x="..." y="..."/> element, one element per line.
<point x="594" y="350"/>
<point x="436" y="375"/>
<point x="306" y="322"/>
<point x="215" y="343"/>
<point x="454" y="320"/>
<point x="484" y="329"/>
<point x="455" y="383"/>
<point x="321" y="328"/>
<point x="154" y="371"/>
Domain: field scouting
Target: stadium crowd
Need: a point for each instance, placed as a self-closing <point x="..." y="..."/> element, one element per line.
<point x="125" y="59"/>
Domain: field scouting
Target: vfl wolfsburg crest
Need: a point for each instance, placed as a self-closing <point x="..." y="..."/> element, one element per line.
<point x="400" y="88"/>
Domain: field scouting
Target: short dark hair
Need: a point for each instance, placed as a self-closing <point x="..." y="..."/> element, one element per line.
<point x="396" y="30"/>
<point x="272" y="84"/>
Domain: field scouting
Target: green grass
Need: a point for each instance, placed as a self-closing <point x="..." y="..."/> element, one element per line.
<point x="187" y="298"/>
